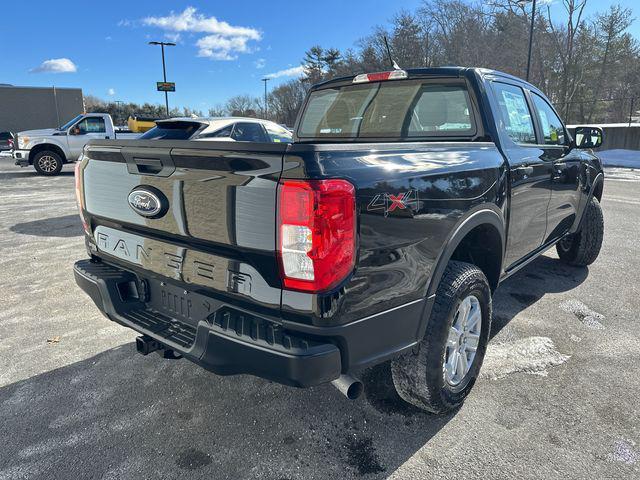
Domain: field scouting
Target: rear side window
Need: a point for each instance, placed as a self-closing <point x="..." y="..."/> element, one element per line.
<point x="277" y="133"/>
<point x="441" y="109"/>
<point x="515" y="114"/>
<point x="389" y="109"/>
<point x="248" y="132"/>
<point x="222" y="133"/>
<point x="552" y="128"/>
<point x="171" y="131"/>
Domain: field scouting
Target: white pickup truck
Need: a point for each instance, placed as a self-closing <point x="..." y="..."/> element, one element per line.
<point x="50" y="148"/>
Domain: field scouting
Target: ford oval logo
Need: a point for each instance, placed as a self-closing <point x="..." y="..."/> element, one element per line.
<point x="147" y="202"/>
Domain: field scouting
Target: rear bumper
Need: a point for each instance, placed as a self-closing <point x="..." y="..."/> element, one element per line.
<point x="233" y="341"/>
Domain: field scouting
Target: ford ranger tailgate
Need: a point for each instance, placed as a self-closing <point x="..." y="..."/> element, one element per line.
<point x="199" y="213"/>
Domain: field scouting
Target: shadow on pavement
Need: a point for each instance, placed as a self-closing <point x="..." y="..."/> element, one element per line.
<point x="63" y="227"/>
<point x="121" y="415"/>
<point x="29" y="172"/>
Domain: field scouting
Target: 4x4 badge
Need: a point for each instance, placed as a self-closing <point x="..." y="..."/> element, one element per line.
<point x="388" y="202"/>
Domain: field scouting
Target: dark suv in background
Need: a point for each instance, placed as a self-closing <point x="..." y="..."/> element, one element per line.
<point x="6" y="141"/>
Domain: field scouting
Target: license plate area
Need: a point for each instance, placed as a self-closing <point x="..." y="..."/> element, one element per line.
<point x="176" y="302"/>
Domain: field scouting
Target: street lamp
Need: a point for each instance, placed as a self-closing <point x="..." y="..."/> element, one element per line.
<point x="265" y="80"/>
<point x="118" y="109"/>
<point x="522" y="3"/>
<point x="164" y="69"/>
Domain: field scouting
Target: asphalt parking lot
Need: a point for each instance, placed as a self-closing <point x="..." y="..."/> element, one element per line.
<point x="559" y="397"/>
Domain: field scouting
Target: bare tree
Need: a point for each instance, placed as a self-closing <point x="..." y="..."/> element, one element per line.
<point x="242" y="106"/>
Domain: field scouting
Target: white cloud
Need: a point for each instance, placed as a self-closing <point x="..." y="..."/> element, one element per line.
<point x="289" y="72"/>
<point x="223" y="42"/>
<point x="260" y="63"/>
<point x="191" y="21"/>
<point x="173" y="37"/>
<point x="108" y="38"/>
<point x="55" y="65"/>
<point x="218" y="47"/>
<point x="111" y="92"/>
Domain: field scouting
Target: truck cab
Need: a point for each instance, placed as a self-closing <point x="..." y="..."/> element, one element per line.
<point x="49" y="149"/>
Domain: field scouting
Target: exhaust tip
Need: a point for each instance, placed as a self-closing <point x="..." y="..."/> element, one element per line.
<point x="355" y="390"/>
<point x="349" y="386"/>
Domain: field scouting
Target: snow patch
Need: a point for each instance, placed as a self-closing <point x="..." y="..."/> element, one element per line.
<point x="619" y="157"/>
<point x="588" y="317"/>
<point x="621" y="173"/>
<point x="625" y="452"/>
<point x="533" y="355"/>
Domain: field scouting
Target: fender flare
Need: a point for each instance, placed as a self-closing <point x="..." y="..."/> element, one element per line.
<point x="598" y="181"/>
<point x="482" y="215"/>
<point x="47" y="146"/>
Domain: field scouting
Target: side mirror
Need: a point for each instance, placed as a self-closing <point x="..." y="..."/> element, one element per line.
<point x="588" y="137"/>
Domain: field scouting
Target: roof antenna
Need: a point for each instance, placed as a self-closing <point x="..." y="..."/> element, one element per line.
<point x="394" y="65"/>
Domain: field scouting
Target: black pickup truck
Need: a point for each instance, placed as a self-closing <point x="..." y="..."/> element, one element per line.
<point x="378" y="235"/>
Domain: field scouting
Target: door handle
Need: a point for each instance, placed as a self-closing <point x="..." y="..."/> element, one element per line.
<point x="525" y="169"/>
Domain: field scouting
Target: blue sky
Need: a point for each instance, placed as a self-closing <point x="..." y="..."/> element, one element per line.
<point x="224" y="47"/>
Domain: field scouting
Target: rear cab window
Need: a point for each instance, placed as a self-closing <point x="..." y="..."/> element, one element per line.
<point x="405" y="109"/>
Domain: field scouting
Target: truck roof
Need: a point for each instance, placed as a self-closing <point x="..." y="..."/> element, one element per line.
<point x="447" y="71"/>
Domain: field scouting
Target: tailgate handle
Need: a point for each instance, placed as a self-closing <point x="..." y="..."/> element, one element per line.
<point x="149" y="161"/>
<point x="148" y="165"/>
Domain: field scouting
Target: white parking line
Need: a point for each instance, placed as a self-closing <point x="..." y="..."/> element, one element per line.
<point x="621" y="200"/>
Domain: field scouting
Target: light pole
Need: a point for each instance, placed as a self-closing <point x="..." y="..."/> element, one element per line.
<point x="265" y="80"/>
<point x="522" y="3"/>
<point x="164" y="69"/>
<point x="118" y="108"/>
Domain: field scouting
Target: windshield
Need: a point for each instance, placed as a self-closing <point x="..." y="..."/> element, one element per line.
<point x="70" y="122"/>
<point x="172" y="131"/>
<point x="418" y="108"/>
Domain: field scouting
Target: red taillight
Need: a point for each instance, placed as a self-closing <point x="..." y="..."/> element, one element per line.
<point x="316" y="233"/>
<point x="80" y="196"/>
<point x="10" y="142"/>
<point x="380" y="76"/>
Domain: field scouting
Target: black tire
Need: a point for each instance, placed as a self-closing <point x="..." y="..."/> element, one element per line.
<point x="583" y="247"/>
<point x="419" y="377"/>
<point x="47" y="163"/>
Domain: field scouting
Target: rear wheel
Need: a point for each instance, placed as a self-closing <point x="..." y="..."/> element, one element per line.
<point x="444" y="369"/>
<point x="47" y="163"/>
<point x="583" y="247"/>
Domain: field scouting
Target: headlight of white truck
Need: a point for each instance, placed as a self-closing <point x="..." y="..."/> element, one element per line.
<point x="22" y="142"/>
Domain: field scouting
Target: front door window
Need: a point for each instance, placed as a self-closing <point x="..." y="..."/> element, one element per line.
<point x="90" y="125"/>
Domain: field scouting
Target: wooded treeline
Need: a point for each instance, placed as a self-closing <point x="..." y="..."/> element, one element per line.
<point x="587" y="65"/>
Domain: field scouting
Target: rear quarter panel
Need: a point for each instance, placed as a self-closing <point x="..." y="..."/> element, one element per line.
<point x="410" y="198"/>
